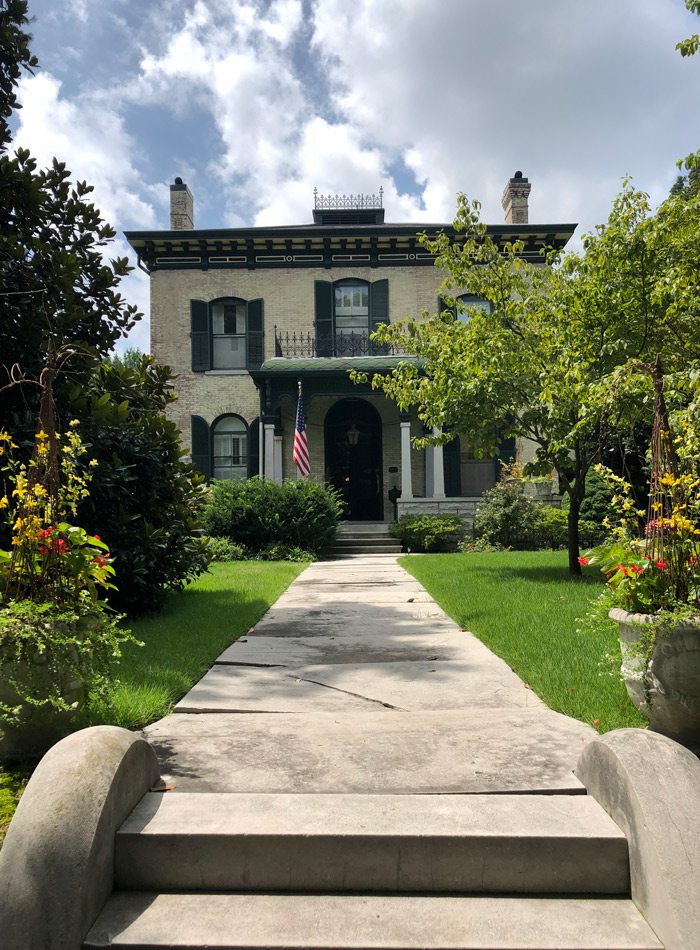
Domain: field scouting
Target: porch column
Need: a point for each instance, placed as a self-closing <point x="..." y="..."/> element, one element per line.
<point x="269" y="470"/>
<point x="406" y="478"/>
<point x="277" y="464"/>
<point x="438" y="470"/>
<point x="261" y="449"/>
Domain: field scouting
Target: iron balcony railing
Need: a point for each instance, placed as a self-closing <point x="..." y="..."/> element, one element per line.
<point x="300" y="344"/>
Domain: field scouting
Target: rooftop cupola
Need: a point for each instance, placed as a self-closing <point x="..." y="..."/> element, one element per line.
<point x="348" y="209"/>
<point x="181" y="207"/>
<point x="515" y="198"/>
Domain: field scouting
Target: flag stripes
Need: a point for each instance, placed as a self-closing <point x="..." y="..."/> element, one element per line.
<point x="300" y="452"/>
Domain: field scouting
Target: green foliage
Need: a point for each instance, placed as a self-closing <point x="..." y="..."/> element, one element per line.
<point x="596" y="506"/>
<point x="223" y="549"/>
<point x="691" y="45"/>
<point x="144" y="498"/>
<point x="285" y="552"/>
<point x="58" y="283"/>
<point x="427" y="532"/>
<point x="257" y="513"/>
<point x="505" y="518"/>
<point x="51" y="657"/>
<point x="557" y="360"/>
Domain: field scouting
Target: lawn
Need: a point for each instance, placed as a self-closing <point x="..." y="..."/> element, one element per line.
<point x="523" y="605"/>
<point x="180" y="644"/>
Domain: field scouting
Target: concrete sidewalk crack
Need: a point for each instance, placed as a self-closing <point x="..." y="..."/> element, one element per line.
<point x="347" y="692"/>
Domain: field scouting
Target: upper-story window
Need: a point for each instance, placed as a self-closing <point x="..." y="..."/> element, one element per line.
<point x="351" y="308"/>
<point x="226" y="334"/>
<point x="465" y="301"/>
<point x="346" y="312"/>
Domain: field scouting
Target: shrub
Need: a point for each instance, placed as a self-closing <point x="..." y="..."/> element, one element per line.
<point x="551" y="529"/>
<point x="596" y="504"/>
<point x="506" y="517"/>
<point x="144" y="498"/>
<point x="223" y="549"/>
<point x="258" y="513"/>
<point x="427" y="532"/>
<point x="477" y="546"/>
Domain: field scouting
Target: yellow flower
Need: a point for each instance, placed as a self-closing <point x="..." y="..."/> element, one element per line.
<point x="4" y="501"/>
<point x="41" y="435"/>
<point x="40" y="491"/>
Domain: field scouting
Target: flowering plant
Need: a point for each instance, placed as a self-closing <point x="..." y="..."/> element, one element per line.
<point x="50" y="560"/>
<point x="652" y="559"/>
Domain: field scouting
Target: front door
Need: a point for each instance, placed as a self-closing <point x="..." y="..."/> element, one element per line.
<point x="353" y="438"/>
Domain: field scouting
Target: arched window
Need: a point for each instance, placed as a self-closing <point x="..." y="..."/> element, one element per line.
<point x="346" y="312"/>
<point x="230" y="448"/>
<point x="228" y="333"/>
<point x="351" y="308"/>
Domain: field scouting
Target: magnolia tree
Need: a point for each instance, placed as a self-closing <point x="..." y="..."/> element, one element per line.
<point x="559" y="358"/>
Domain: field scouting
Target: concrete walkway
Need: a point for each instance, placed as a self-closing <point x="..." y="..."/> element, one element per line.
<point x="356" y="681"/>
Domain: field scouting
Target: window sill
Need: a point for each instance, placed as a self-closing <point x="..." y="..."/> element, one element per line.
<point x="226" y="372"/>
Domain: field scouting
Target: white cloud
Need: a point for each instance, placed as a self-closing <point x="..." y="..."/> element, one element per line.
<point x="91" y="139"/>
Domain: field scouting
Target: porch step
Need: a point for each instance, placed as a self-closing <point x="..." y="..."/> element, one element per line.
<point x="356" y="537"/>
<point x="344" y="550"/>
<point x="147" y="921"/>
<point x="371" y="843"/>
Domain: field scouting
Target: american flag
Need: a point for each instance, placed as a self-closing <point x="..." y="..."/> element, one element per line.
<point x="300" y="452"/>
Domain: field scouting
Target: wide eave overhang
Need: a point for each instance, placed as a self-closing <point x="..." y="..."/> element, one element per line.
<point x="311" y="245"/>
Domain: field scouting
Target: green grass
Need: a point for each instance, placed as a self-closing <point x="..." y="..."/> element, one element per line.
<point x="180" y="644"/>
<point x="523" y="605"/>
<point x="183" y="640"/>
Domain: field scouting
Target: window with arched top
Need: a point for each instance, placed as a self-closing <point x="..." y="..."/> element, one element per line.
<point x="347" y="311"/>
<point x="351" y="310"/>
<point x="226" y="334"/>
<point x="229" y="448"/>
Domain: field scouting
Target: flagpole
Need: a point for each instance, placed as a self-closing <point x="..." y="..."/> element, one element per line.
<point x="299" y="475"/>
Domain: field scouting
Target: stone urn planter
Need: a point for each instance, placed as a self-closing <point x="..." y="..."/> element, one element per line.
<point x="37" y="727"/>
<point x="662" y="674"/>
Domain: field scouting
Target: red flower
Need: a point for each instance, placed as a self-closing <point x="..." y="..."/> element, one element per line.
<point x="43" y="550"/>
<point x="62" y="546"/>
<point x="97" y="537"/>
<point x="45" y="533"/>
<point x="662" y="565"/>
<point x="583" y="561"/>
<point x="100" y="560"/>
<point x="636" y="570"/>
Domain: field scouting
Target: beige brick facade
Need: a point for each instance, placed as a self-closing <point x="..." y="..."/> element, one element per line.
<point x="280" y="267"/>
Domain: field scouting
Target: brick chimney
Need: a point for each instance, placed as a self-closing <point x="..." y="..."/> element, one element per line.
<point x="181" y="207"/>
<point x="514" y="199"/>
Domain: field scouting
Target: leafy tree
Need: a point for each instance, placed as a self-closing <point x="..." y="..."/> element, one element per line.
<point x="144" y="499"/>
<point x="690" y="46"/>
<point x="560" y="358"/>
<point x="56" y="282"/>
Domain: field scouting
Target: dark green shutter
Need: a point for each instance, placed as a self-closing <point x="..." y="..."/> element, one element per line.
<point x="201" y="449"/>
<point x="256" y="335"/>
<point x="452" y="466"/>
<point x="323" y="317"/>
<point x="200" y="334"/>
<point x="443" y="305"/>
<point x="254" y="447"/>
<point x="378" y="310"/>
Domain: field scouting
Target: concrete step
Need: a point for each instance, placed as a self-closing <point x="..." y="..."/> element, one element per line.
<point x="532" y="844"/>
<point x="360" y="547"/>
<point x="148" y="921"/>
<point x="369" y="539"/>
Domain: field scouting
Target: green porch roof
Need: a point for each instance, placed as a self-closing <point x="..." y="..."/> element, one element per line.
<point x="322" y="365"/>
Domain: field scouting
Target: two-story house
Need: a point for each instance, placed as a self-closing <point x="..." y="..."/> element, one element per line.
<point x="244" y="315"/>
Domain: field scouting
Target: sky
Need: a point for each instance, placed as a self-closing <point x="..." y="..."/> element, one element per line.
<point x="256" y="102"/>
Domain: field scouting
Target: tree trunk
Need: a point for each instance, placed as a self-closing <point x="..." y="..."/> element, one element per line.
<point x="573" y="541"/>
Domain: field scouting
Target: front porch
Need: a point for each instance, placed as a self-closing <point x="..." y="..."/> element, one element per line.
<point x="360" y="442"/>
